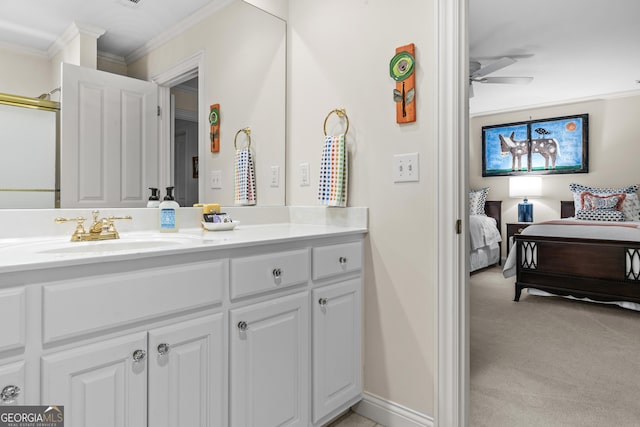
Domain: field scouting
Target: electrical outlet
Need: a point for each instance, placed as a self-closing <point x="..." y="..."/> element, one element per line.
<point x="304" y="174"/>
<point x="275" y="176"/>
<point x="216" y="180"/>
<point x="406" y="167"/>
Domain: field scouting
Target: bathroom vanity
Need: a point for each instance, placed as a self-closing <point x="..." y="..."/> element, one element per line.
<point x="259" y="326"/>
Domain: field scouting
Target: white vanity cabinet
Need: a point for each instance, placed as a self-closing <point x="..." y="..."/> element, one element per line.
<point x="102" y="384"/>
<point x="336" y="346"/>
<point x="12" y="383"/>
<point x="175" y="371"/>
<point x="13" y="306"/>
<point x="260" y="334"/>
<point x="269" y="361"/>
<point x="336" y="316"/>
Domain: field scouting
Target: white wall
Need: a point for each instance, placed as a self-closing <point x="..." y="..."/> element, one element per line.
<point x="613" y="153"/>
<point x="339" y="57"/>
<point x="24" y="74"/>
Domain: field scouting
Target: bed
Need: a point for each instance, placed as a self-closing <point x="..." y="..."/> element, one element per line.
<point x="589" y="260"/>
<point x="485" y="237"/>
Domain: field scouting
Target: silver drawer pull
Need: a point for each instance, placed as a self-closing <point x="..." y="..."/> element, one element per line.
<point x="243" y="326"/>
<point x="277" y="273"/>
<point x="342" y="260"/>
<point x="10" y="393"/>
<point x="322" y="302"/>
<point x="163" y="349"/>
<point x="139" y="355"/>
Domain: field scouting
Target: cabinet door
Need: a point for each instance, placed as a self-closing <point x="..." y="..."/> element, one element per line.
<point x="12" y="384"/>
<point x="336" y="346"/>
<point x="186" y="380"/>
<point x="100" y="385"/>
<point x="270" y="363"/>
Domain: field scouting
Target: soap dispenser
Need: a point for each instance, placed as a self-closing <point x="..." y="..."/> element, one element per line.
<point x="169" y="212"/>
<point x="154" y="199"/>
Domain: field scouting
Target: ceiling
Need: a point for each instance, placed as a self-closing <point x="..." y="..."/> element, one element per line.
<point x="573" y="49"/>
<point x="37" y="24"/>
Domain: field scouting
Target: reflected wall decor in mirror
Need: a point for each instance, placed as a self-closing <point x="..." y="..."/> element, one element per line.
<point x="242" y="66"/>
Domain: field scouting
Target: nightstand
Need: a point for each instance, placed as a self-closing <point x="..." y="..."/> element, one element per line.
<point x="514" y="228"/>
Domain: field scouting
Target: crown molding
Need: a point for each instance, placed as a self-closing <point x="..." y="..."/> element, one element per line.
<point x="22" y="50"/>
<point x="110" y="57"/>
<point x="180" y="28"/>
<point x="72" y="31"/>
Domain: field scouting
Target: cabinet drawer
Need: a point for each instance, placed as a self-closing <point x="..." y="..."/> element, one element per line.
<point x="336" y="259"/>
<point x="12" y="381"/>
<point x="260" y="273"/>
<point x="86" y="305"/>
<point x="13" y="306"/>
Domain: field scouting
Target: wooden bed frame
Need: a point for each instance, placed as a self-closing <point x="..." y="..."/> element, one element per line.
<point x="602" y="270"/>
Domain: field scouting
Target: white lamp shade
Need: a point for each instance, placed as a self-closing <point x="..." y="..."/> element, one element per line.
<point x="525" y="186"/>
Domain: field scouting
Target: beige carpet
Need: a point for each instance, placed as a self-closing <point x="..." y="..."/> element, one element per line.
<point x="549" y="361"/>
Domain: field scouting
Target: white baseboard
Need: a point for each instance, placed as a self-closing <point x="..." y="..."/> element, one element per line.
<point x="390" y="414"/>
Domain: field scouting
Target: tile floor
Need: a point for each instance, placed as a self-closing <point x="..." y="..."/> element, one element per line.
<point x="352" y="419"/>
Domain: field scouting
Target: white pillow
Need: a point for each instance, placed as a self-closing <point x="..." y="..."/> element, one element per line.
<point x="477" y="198"/>
<point x="630" y="206"/>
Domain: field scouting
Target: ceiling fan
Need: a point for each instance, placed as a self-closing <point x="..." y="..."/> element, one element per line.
<point x="477" y="73"/>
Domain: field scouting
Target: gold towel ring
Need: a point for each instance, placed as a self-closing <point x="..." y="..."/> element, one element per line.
<point x="340" y="112"/>
<point x="247" y="132"/>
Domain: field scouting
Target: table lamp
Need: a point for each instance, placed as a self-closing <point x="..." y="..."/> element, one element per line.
<point x="525" y="186"/>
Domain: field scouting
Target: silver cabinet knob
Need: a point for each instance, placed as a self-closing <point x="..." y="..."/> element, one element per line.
<point x="139" y="355"/>
<point x="322" y="302"/>
<point x="277" y="273"/>
<point x="10" y="393"/>
<point x="243" y="326"/>
<point x="163" y="349"/>
<point x="342" y="260"/>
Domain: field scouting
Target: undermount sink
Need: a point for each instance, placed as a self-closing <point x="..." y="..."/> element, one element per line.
<point x="113" y="246"/>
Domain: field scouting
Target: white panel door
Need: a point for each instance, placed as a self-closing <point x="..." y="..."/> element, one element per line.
<point x="186" y="374"/>
<point x="108" y="139"/>
<point x="100" y="385"/>
<point x="336" y="346"/>
<point x="269" y="361"/>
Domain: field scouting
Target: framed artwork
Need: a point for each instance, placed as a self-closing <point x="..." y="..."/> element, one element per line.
<point x="538" y="147"/>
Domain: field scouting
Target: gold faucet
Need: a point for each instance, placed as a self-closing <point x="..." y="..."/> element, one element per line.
<point x="101" y="229"/>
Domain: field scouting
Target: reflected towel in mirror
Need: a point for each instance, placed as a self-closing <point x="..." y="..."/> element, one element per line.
<point x="245" y="179"/>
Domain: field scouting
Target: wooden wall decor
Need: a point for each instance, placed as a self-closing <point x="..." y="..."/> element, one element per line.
<point x="214" y="121"/>
<point x="401" y="69"/>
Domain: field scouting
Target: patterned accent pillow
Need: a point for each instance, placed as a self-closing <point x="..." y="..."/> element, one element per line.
<point x="594" y="201"/>
<point x="477" y="198"/>
<point x="630" y="206"/>
<point x="600" y="215"/>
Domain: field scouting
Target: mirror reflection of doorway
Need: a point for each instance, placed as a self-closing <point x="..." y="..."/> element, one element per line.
<point x="184" y="98"/>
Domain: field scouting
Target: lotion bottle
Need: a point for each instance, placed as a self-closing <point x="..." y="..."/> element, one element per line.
<point x="169" y="213"/>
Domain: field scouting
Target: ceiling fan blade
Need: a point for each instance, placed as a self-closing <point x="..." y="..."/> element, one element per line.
<point x="509" y="80"/>
<point x="494" y="66"/>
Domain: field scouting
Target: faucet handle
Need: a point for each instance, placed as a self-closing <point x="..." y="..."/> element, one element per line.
<point x="79" y="226"/>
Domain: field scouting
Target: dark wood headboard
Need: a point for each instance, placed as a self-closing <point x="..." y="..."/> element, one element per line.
<point x="493" y="208"/>
<point x="567" y="208"/>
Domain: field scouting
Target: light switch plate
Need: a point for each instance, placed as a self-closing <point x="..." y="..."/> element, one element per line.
<point x="216" y="180"/>
<point x="406" y="167"/>
<point x="275" y="176"/>
<point x="304" y="174"/>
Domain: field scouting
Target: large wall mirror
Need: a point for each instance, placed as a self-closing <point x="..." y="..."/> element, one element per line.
<point x="243" y="50"/>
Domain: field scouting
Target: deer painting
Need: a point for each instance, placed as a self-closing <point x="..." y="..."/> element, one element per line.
<point x="548" y="148"/>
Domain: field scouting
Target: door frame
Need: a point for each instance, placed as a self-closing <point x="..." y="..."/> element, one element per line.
<point x="180" y="72"/>
<point x="452" y="277"/>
